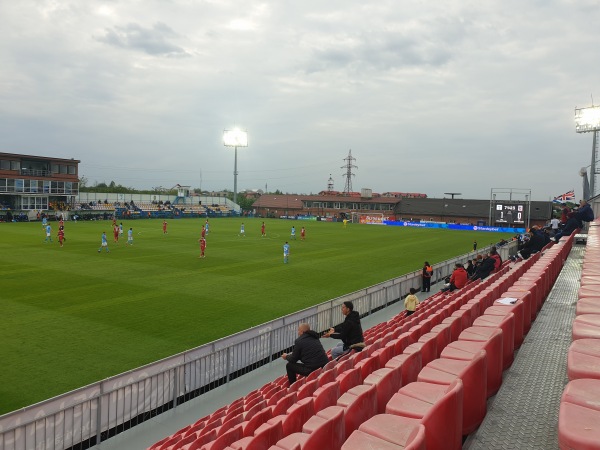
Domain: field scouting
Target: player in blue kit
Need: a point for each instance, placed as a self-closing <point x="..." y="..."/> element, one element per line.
<point x="48" y="233"/>
<point x="104" y="243"/>
<point x="286" y="252"/>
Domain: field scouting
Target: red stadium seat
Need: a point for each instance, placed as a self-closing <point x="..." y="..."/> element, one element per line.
<point x="201" y="441"/>
<point x="428" y="350"/>
<point x="437" y="407"/>
<point x="410" y="363"/>
<point x="586" y="326"/>
<point x="474" y="339"/>
<point x="588" y="305"/>
<point x="349" y="379"/>
<point x="583" y="359"/>
<point x="388" y="381"/>
<point x="326" y="395"/>
<point x="388" y="432"/>
<point x="507" y="325"/>
<point x="472" y="373"/>
<point x="325" y="430"/>
<point x="579" y="416"/>
<point x="360" y="404"/>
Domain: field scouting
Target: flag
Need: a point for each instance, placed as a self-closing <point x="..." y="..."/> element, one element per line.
<point x="566" y="197"/>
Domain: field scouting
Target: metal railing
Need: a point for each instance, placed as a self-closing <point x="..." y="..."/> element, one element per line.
<point x="92" y="414"/>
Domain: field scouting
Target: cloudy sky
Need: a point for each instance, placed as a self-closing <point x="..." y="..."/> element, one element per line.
<point x="432" y="97"/>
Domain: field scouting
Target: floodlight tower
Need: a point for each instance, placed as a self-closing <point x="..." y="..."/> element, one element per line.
<point x="235" y="138"/>
<point x="588" y="120"/>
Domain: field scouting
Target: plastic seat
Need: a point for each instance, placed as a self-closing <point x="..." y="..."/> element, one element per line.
<point x="518" y="309"/>
<point x="411" y="364"/>
<point x="349" y="379"/>
<point x="437" y="407"/>
<point x="428" y="349"/>
<point x="392" y="433"/>
<point x="296" y="416"/>
<point x="266" y="435"/>
<point x="579" y="416"/>
<point x="326" y="395"/>
<point x="388" y="381"/>
<point x="583" y="359"/>
<point x="368" y="365"/>
<point x="201" y="440"/>
<point x="308" y="389"/>
<point x="360" y="404"/>
<point x="507" y="325"/>
<point x="455" y="327"/>
<point x="325" y="430"/>
<point x="284" y="403"/>
<point x="225" y="439"/>
<point x="472" y="373"/>
<point x="588" y="305"/>
<point x="465" y="350"/>
<point x="586" y="326"/>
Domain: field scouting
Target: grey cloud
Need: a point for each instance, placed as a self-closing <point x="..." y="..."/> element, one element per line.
<point x="153" y="41"/>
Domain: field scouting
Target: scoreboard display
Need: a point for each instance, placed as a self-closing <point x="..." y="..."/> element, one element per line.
<point x="510" y="213"/>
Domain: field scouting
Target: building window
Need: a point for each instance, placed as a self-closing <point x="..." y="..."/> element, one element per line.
<point x="15" y="165"/>
<point x="63" y="169"/>
<point x="55" y="168"/>
<point x="4" y="164"/>
<point x="72" y="170"/>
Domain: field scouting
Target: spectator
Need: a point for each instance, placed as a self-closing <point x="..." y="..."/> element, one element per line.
<point x="497" y="259"/>
<point x="308" y="354"/>
<point x="534" y="244"/>
<point x="470" y="268"/>
<point x="583" y="214"/>
<point x="426" y="276"/>
<point x="484" y="268"/>
<point x="350" y="332"/>
<point x="411" y="302"/>
<point x="458" y="279"/>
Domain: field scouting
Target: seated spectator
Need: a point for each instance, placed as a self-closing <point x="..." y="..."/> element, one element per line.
<point x="497" y="259"/>
<point x="470" y="268"/>
<point x="534" y="244"/>
<point x="308" y="355"/>
<point x="485" y="268"/>
<point x="458" y="279"/>
<point x="349" y="332"/>
<point x="583" y="214"/>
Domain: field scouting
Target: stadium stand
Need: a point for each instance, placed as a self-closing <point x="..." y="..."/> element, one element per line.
<point x="421" y="382"/>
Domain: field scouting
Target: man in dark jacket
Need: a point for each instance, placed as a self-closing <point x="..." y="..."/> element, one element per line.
<point x="485" y="268"/>
<point x="583" y="214"/>
<point x="308" y="350"/>
<point x="535" y="244"/>
<point x="350" y="332"/>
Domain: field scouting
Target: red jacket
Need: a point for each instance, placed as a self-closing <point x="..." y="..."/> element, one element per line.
<point x="459" y="277"/>
<point x="498" y="261"/>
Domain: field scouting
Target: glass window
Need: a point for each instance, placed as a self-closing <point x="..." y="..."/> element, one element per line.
<point x="33" y="185"/>
<point x="4" y="164"/>
<point x="55" y="168"/>
<point x="63" y="169"/>
<point x="15" y="165"/>
<point x="72" y="170"/>
<point x="19" y="185"/>
<point x="46" y="187"/>
<point x="2" y="184"/>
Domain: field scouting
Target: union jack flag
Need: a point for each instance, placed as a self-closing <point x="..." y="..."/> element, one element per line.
<point x="566" y="197"/>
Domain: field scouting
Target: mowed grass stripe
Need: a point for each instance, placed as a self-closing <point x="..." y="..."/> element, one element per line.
<point x="74" y="316"/>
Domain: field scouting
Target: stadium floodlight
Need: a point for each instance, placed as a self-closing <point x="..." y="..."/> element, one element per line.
<point x="588" y="120"/>
<point x="235" y="138"/>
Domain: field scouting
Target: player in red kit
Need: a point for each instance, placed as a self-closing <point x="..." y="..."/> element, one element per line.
<point x="262" y="230"/>
<point x="202" y="247"/>
<point x="61" y="235"/>
<point x="116" y="233"/>
<point x="302" y="234"/>
<point x="165" y="227"/>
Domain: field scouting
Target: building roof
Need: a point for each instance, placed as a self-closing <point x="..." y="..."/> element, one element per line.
<point x="47" y="158"/>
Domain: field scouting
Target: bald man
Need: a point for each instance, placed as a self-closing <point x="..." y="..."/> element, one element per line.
<point x="308" y="354"/>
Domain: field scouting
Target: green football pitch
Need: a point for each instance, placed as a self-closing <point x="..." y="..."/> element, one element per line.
<point x="73" y="316"/>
